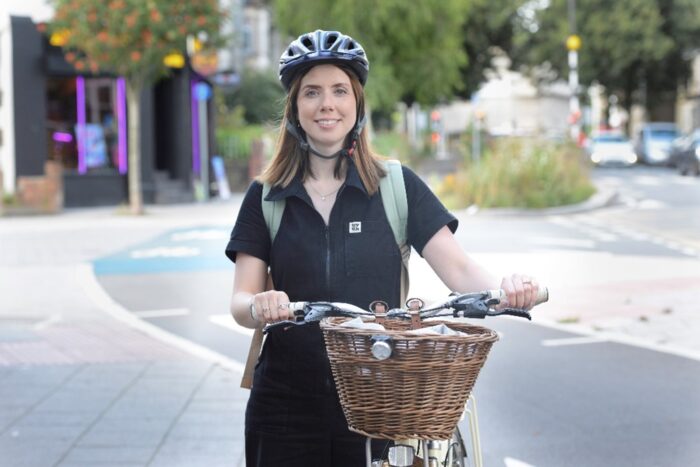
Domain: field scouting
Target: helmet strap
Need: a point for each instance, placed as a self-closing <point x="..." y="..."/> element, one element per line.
<point x="305" y="146"/>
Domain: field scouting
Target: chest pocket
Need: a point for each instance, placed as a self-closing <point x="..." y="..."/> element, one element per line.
<point x="370" y="249"/>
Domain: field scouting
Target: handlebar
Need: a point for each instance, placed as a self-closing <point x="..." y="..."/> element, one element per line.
<point x="469" y="305"/>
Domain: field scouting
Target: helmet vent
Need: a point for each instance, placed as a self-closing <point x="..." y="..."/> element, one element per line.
<point x="308" y="43"/>
<point x="330" y="40"/>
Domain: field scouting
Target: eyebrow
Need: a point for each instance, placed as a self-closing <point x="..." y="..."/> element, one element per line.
<point x="318" y="86"/>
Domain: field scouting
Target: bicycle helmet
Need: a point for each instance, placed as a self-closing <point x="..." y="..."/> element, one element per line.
<point x="318" y="47"/>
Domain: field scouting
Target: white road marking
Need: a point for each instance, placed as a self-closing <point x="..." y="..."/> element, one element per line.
<point x="228" y="322"/>
<point x="650" y="204"/>
<point x="510" y="462"/>
<point x="165" y="252"/>
<point x="199" y="234"/>
<point x="48" y="322"/>
<point x="162" y="313"/>
<point x="558" y="241"/>
<point x="572" y="341"/>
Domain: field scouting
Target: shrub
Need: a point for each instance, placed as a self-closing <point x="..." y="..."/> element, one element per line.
<point x="234" y="143"/>
<point x="261" y="96"/>
<point x="523" y="173"/>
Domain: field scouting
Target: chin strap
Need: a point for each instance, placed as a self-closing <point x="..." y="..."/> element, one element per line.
<point x="343" y="152"/>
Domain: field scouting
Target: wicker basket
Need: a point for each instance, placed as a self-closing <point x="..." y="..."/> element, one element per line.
<point x="419" y="392"/>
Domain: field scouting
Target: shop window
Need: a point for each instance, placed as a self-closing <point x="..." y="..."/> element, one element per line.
<point x="86" y="123"/>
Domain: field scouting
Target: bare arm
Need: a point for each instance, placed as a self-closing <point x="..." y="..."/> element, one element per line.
<point x="250" y="287"/>
<point x="461" y="273"/>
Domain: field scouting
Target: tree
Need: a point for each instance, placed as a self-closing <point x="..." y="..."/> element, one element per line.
<point x="489" y="28"/>
<point x="130" y="38"/>
<point x="259" y="94"/>
<point x="635" y="48"/>
<point x="414" y="48"/>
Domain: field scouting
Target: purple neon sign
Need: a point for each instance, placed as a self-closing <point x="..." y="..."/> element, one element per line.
<point x="195" y="128"/>
<point x="122" y="146"/>
<point x="62" y="137"/>
<point x="80" y="127"/>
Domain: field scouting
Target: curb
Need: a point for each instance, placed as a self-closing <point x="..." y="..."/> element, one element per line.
<point x="94" y="291"/>
<point x="600" y="199"/>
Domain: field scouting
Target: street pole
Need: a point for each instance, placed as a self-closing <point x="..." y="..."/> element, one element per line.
<point x="573" y="43"/>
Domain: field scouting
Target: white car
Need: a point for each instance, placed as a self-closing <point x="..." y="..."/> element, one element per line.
<point x="612" y="149"/>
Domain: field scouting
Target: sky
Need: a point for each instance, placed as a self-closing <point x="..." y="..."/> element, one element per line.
<point x="38" y="10"/>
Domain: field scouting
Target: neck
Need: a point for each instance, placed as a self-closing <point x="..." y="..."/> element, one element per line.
<point x="322" y="169"/>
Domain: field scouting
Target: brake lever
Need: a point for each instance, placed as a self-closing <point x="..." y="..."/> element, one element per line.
<point x="518" y="312"/>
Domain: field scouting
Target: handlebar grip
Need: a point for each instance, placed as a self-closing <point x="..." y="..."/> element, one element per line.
<point x="296" y="306"/>
<point x="542" y="294"/>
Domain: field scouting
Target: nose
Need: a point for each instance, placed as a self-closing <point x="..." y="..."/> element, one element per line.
<point x="328" y="102"/>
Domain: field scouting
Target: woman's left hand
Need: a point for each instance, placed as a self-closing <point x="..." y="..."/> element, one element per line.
<point x="521" y="291"/>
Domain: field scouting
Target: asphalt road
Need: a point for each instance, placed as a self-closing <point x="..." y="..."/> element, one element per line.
<point x="543" y="399"/>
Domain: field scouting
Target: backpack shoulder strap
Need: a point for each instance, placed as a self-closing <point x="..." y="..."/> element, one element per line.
<point x="393" y="191"/>
<point x="272" y="212"/>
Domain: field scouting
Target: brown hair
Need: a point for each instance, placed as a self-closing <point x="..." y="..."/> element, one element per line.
<point x="290" y="160"/>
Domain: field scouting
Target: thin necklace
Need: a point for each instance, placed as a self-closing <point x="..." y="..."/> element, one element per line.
<point x="323" y="197"/>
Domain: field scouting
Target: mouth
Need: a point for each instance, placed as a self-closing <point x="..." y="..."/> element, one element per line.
<point x="327" y="123"/>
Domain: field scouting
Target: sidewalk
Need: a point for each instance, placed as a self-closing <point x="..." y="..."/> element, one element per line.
<point x="79" y="387"/>
<point x="83" y="385"/>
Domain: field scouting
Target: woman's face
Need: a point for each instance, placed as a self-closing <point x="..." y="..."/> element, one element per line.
<point x="327" y="107"/>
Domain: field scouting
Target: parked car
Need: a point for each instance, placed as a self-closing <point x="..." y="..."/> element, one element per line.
<point x="677" y="146"/>
<point x="653" y="144"/>
<point x="687" y="157"/>
<point x="611" y="149"/>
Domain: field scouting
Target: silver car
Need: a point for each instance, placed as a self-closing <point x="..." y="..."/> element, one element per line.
<point x="612" y="149"/>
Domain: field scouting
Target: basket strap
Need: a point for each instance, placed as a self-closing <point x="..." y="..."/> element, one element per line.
<point x="254" y="351"/>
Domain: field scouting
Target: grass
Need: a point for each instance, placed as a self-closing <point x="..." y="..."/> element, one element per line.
<point x="522" y="173"/>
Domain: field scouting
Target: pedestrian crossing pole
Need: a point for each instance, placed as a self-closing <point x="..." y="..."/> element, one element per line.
<point x="573" y="44"/>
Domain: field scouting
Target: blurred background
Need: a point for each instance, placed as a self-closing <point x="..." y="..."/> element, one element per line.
<point x="563" y="134"/>
<point x="563" y="85"/>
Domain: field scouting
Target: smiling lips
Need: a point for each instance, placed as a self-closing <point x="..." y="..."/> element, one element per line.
<point x="325" y="123"/>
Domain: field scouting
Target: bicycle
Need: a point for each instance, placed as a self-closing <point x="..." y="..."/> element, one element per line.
<point x="389" y="358"/>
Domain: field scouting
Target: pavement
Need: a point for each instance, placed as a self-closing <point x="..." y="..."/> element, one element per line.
<point x="85" y="383"/>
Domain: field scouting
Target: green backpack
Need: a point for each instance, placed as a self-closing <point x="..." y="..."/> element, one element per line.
<point x="393" y="192"/>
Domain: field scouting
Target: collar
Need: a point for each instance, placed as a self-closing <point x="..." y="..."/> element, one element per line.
<point x="296" y="187"/>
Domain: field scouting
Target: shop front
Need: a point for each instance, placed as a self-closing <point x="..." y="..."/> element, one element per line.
<point x="79" y="122"/>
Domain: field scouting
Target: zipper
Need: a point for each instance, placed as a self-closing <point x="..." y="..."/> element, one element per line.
<point x="328" y="261"/>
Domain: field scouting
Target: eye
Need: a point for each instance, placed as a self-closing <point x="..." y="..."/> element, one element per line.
<point x="310" y="93"/>
<point x="341" y="91"/>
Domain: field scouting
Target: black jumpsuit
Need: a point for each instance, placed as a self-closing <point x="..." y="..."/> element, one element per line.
<point x="293" y="415"/>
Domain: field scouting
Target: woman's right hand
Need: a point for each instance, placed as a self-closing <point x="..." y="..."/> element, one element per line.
<point x="270" y="306"/>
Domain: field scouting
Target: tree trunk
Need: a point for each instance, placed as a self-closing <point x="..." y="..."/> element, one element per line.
<point x="133" y="94"/>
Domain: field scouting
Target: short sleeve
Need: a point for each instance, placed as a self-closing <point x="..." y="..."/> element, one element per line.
<point x="249" y="234"/>
<point x="426" y="214"/>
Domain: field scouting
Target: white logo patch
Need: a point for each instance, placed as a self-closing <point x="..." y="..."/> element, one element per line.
<point x="355" y="227"/>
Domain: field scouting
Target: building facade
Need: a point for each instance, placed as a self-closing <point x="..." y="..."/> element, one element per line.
<point x="51" y="113"/>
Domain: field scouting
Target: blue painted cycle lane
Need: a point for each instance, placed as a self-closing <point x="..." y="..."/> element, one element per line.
<point x="188" y="249"/>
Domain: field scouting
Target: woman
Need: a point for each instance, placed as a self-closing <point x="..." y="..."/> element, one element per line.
<point x="334" y="243"/>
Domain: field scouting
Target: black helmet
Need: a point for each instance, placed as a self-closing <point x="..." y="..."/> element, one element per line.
<point x="318" y="47"/>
